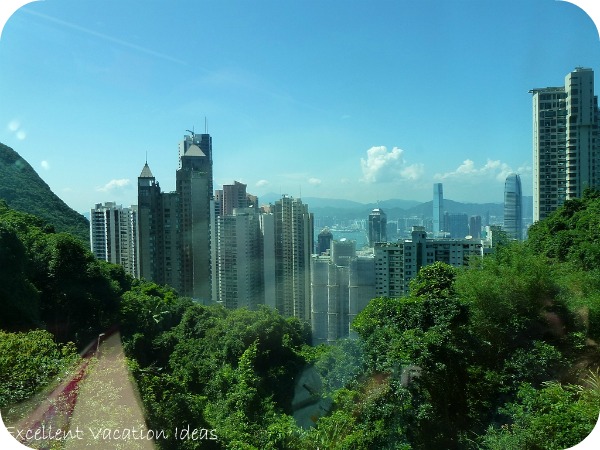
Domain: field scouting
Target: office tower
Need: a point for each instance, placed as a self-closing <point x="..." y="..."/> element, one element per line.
<point x="565" y="143"/>
<point x="176" y="228"/>
<point x="113" y="235"/>
<point x="196" y="210"/>
<point x="293" y="228"/>
<point x="240" y="259"/>
<point x="396" y="264"/>
<point x="513" y="209"/>
<point x="324" y="241"/>
<point x="342" y="284"/>
<point x="438" y="208"/>
<point x="475" y="227"/>
<point x="456" y="225"/>
<point x="377" y="227"/>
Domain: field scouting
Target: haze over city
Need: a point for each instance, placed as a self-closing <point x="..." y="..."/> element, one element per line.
<point x="355" y="100"/>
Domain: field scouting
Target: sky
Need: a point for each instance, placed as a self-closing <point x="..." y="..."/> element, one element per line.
<point x="359" y="100"/>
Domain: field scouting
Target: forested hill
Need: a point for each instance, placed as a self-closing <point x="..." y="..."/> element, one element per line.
<point x="23" y="190"/>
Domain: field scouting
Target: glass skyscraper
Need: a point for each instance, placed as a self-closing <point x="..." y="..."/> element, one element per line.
<point x="513" y="207"/>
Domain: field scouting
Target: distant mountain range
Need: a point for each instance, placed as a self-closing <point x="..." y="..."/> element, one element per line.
<point x="23" y="189"/>
<point x="395" y="208"/>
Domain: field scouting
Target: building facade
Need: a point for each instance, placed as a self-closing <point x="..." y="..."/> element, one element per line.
<point x="566" y="144"/>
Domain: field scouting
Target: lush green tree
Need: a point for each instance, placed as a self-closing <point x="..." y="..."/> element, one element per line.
<point x="554" y="417"/>
<point x="28" y="361"/>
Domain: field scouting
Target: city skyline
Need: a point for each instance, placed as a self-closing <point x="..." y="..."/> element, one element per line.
<point x="354" y="109"/>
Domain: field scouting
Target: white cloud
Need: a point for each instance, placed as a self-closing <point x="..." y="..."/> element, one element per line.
<point x="314" y="181"/>
<point x="492" y="169"/>
<point x="114" y="184"/>
<point x="262" y="183"/>
<point x="381" y="166"/>
<point x="45" y="165"/>
<point x="21" y="135"/>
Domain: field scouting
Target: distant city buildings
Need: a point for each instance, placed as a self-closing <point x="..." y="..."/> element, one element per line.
<point x="377" y="227"/>
<point x="113" y="235"/>
<point x="566" y="144"/>
<point x="513" y="207"/>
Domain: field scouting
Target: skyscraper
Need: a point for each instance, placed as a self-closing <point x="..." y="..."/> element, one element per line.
<point x="113" y="235"/>
<point x="293" y="227"/>
<point x="194" y="184"/>
<point x="324" y="240"/>
<point x="176" y="228"/>
<point x="240" y="259"/>
<point x="377" y="227"/>
<point x="513" y="209"/>
<point x="565" y="149"/>
<point x="438" y="208"/>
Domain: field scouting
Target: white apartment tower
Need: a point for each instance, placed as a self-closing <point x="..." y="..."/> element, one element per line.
<point x="114" y="235"/>
<point x="566" y="145"/>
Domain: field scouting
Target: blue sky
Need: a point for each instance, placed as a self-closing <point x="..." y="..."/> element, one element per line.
<point x="362" y="100"/>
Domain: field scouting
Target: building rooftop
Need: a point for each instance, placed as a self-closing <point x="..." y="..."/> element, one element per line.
<point x="146" y="172"/>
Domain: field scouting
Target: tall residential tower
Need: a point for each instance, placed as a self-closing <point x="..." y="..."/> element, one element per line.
<point x="566" y="145"/>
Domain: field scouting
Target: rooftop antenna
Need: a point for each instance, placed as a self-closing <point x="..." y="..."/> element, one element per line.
<point x="146" y="157"/>
<point x="192" y="132"/>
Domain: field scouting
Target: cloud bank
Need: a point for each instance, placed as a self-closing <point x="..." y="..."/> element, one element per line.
<point x="383" y="166"/>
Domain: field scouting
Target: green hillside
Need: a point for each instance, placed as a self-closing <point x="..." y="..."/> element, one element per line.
<point x="23" y="189"/>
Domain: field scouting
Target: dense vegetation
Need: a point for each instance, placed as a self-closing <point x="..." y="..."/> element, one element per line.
<point x="25" y="191"/>
<point x="500" y="355"/>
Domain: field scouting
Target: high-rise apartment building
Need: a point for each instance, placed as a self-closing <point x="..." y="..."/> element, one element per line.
<point x="240" y="259"/>
<point x="113" y="235"/>
<point x="513" y="207"/>
<point x="396" y="264"/>
<point x="438" y="208"/>
<point x="566" y="145"/>
<point x="294" y="236"/>
<point x="377" y="227"/>
<point x="343" y="283"/>
<point x="233" y="196"/>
